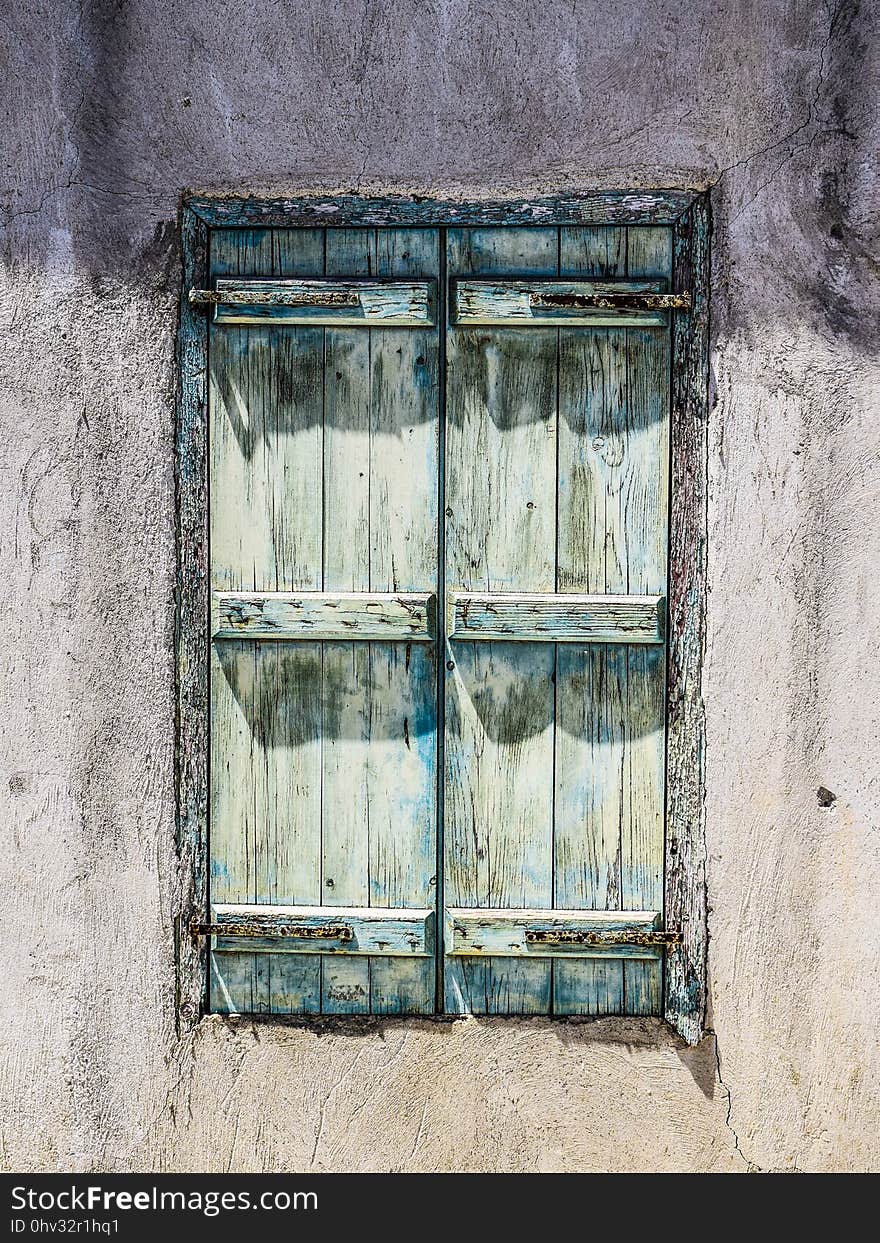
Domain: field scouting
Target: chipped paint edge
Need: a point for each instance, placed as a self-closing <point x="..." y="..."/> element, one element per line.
<point x="685" y="900"/>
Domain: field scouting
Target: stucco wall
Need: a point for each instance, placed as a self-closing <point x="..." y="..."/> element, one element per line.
<point x="113" y="111"/>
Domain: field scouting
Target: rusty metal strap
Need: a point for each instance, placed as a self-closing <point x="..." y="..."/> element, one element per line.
<point x="582" y="936"/>
<point x="308" y="932"/>
<point x="256" y="297"/>
<point x="611" y="301"/>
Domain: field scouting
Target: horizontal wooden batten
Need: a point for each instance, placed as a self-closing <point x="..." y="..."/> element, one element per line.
<point x="392" y="932"/>
<point x="334" y="303"/>
<point x="532" y="617"/>
<point x="518" y="933"/>
<point x="564" y="303"/>
<point x="402" y="616"/>
<point x="597" y="207"/>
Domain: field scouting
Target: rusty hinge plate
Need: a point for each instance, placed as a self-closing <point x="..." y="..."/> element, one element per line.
<point x="612" y="301"/>
<point x="582" y="936"/>
<point x="255" y="297"/>
<point x="309" y="932"/>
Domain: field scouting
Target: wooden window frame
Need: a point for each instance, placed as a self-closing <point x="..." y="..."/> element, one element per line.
<point x="688" y="214"/>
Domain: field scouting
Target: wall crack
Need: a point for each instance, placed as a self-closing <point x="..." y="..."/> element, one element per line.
<point x="751" y="1166"/>
<point x="810" y="120"/>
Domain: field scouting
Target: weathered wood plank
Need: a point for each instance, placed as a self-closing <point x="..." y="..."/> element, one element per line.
<point x="502" y="933"/>
<point x="591" y="725"/>
<point x="345" y="731"/>
<point x="500" y="507"/>
<point x="191" y="648"/>
<point x="345" y="821"/>
<point x="549" y="618"/>
<point x="402" y="932"/>
<point x="501" y="430"/>
<point x="685" y="885"/>
<point x="266" y="781"/>
<point x="523" y="303"/>
<point x="266" y="480"/>
<point x="266" y="433"/>
<point x="380" y="702"/>
<point x="590" y="683"/>
<point x="591" y="208"/>
<point x="335" y="303"/>
<point x="240" y="984"/>
<point x="405" y="616"/>
<point x="404" y="492"/>
<point x="403" y="810"/>
<point x="404" y="428"/>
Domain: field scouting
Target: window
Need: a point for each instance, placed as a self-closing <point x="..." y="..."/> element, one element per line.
<point x="434" y="602"/>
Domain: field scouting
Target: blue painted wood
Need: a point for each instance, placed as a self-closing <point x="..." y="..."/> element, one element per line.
<point x="612" y="537"/>
<point x="359" y="931"/>
<point x="531" y="617"/>
<point x="500" y="536"/>
<point x="404" y="617"/>
<point x="324" y="487"/>
<point x="352" y="303"/>
<point x="685" y="895"/>
<point x="685" y="871"/>
<point x="649" y="256"/>
<point x="380" y="506"/>
<point x="594" y="208"/>
<point x="191" y="635"/>
<point x="556" y="486"/>
<point x="499" y="933"/>
<point x="265" y="469"/>
<point x="521" y="304"/>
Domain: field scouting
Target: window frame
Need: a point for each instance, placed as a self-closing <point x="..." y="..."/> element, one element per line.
<point x="687" y="212"/>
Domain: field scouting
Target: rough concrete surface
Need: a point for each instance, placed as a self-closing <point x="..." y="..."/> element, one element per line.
<point x="115" y="109"/>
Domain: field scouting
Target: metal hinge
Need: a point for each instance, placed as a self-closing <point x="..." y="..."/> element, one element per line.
<point x="666" y="939"/>
<point x="255" y="297"/>
<point x="612" y="301"/>
<point x="309" y="932"/>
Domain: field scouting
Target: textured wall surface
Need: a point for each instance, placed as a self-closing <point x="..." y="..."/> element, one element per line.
<point x="115" y="109"/>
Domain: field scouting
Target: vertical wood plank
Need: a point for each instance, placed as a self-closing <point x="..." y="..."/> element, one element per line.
<point x="191" y="629"/>
<point x="265" y="442"/>
<point x="232" y="982"/>
<point x="404" y="420"/>
<point x="591" y="689"/>
<point x="404" y="491"/>
<point x="642" y="822"/>
<point x="685" y="883"/>
<point x="501" y="427"/>
<point x="266" y="438"/>
<point x="346" y="706"/>
<point x="501" y="520"/>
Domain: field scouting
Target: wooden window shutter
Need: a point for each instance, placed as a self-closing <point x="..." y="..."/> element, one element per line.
<point x="556" y="490"/>
<point x="438" y="475"/>
<point x="323" y="499"/>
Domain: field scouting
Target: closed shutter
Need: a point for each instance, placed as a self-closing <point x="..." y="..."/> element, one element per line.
<point x="323" y="478"/>
<point x="346" y="605"/>
<point x="557" y="469"/>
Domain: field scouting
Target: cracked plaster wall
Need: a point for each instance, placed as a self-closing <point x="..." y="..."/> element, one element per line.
<point x="113" y="110"/>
